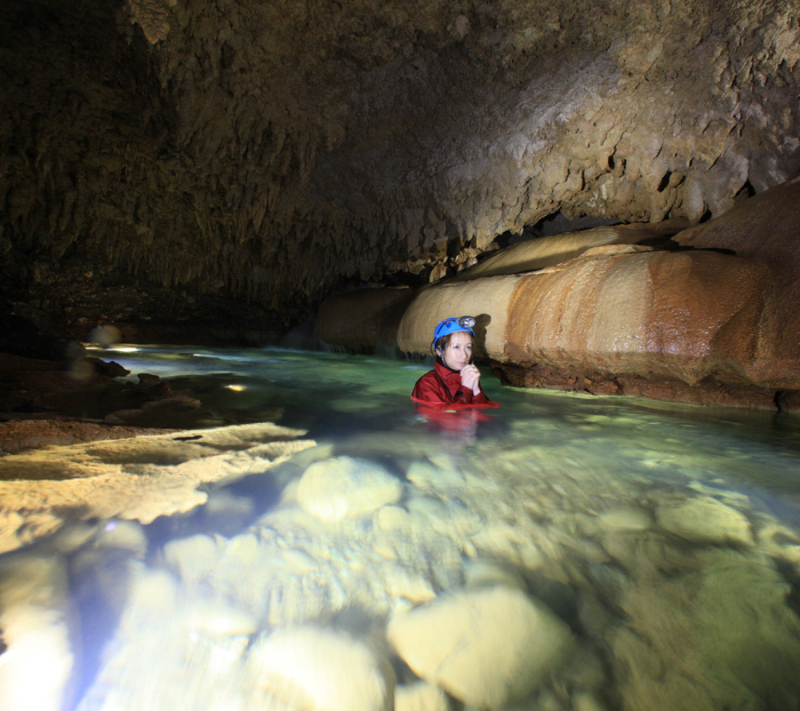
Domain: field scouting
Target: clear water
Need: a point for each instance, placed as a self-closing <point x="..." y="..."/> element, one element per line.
<point x="665" y="538"/>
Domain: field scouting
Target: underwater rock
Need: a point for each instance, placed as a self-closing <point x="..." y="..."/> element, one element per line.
<point x="343" y="487"/>
<point x="715" y="632"/>
<point x="420" y="696"/>
<point x="171" y="652"/>
<point x="584" y="701"/>
<point x="486" y="648"/>
<point x="139" y="478"/>
<point x="315" y="669"/>
<point x="194" y="557"/>
<point x="479" y="574"/>
<point x="393" y="518"/>
<point x="36" y="658"/>
<point x="625" y="518"/>
<point x="217" y="618"/>
<point x="121" y="535"/>
<point x="705" y="520"/>
<point x="508" y="542"/>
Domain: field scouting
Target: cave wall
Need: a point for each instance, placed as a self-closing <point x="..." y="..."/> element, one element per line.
<point x="273" y="151"/>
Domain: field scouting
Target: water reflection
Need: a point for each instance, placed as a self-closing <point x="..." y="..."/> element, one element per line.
<point x="567" y="553"/>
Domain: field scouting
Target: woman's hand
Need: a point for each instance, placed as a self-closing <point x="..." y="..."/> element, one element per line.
<point x="470" y="378"/>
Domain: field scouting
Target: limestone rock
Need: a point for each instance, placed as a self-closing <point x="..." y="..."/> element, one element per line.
<point x="39" y="488"/>
<point x="706" y="520"/>
<point x="480" y="574"/>
<point x="343" y="487"/>
<point x="486" y="648"/>
<point x="193" y="557"/>
<point x="215" y="617"/>
<point x="324" y="153"/>
<point x="18" y="436"/>
<point x="696" y="318"/>
<point x="764" y="229"/>
<point x="544" y="252"/>
<point x="313" y="669"/>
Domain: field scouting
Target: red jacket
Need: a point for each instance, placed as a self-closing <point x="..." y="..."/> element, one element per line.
<point x="442" y="387"/>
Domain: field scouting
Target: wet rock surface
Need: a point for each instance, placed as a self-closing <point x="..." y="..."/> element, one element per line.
<point x="341" y="488"/>
<point x="88" y="389"/>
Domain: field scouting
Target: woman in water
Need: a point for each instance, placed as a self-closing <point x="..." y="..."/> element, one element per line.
<point x="454" y="383"/>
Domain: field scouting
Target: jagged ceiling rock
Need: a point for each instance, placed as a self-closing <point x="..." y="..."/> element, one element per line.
<point x="271" y="149"/>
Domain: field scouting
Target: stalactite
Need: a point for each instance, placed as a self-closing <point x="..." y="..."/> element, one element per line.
<point x="389" y="156"/>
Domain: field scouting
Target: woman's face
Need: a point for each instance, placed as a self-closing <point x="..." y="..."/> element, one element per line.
<point x="458" y="352"/>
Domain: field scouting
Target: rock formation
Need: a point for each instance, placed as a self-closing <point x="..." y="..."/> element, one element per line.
<point x="169" y="160"/>
<point x="703" y="317"/>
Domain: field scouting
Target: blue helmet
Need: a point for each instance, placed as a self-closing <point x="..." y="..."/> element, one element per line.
<point x="453" y="325"/>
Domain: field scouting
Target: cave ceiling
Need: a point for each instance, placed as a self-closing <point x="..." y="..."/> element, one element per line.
<point x="273" y="150"/>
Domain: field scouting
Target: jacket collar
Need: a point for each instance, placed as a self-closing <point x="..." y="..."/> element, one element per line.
<point x="447" y="373"/>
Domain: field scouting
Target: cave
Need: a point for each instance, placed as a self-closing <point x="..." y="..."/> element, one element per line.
<point x="167" y="164"/>
<point x="207" y="207"/>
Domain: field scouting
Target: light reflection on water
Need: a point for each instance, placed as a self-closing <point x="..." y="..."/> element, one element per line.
<point x="664" y="536"/>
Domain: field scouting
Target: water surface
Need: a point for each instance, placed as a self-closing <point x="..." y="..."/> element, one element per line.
<point x="664" y="539"/>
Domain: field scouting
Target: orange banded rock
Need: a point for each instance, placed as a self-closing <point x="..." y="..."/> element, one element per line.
<point x="765" y="229"/>
<point x="683" y="315"/>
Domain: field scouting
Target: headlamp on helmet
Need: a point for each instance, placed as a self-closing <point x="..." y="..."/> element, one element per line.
<point x="453" y="325"/>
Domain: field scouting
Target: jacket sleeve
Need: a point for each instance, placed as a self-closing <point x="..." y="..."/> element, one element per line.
<point x="480" y="398"/>
<point x="428" y="389"/>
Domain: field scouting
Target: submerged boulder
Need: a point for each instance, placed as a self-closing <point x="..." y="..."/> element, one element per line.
<point x="342" y="487"/>
<point x="314" y="669"/>
<point x="486" y="648"/>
